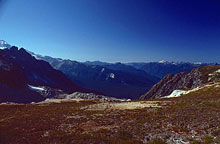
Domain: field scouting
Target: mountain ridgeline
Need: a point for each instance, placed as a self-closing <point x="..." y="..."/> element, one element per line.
<point x="120" y="81"/>
<point x="21" y="75"/>
<point x="162" y="68"/>
<point x="183" y="81"/>
<point x="130" y="80"/>
<point x="28" y="77"/>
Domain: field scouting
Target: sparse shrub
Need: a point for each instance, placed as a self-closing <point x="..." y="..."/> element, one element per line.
<point x="208" y="140"/>
<point x="195" y="142"/>
<point x="124" y="135"/>
<point x="182" y="104"/>
<point x="167" y="137"/>
<point x="217" y="140"/>
<point x="216" y="133"/>
<point x="142" y="121"/>
<point x="158" y="141"/>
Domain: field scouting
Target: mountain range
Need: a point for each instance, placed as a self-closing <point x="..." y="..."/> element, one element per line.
<point x="120" y="81"/>
<point x="158" y="69"/>
<point x="48" y="77"/>
<point x="162" y="68"/>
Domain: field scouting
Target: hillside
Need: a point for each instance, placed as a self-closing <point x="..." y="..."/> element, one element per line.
<point x="184" y="80"/>
<point x="192" y="118"/>
<point x="13" y="83"/>
<point x="25" y="79"/>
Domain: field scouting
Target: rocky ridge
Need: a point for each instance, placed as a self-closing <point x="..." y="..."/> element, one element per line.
<point x="184" y="80"/>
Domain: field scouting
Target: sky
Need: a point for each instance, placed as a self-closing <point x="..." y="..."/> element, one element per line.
<point x="115" y="30"/>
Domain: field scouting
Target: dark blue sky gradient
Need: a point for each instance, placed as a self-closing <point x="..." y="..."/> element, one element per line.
<point x="115" y="30"/>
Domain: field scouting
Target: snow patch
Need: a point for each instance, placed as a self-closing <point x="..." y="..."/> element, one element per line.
<point x="218" y="71"/>
<point x="103" y="69"/>
<point x="4" y="44"/>
<point x="3" y="47"/>
<point x="34" y="88"/>
<point x="112" y="75"/>
<point x="213" y="74"/>
<point x="198" y="63"/>
<point x="176" y="93"/>
<point x="36" y="56"/>
<point x="217" y="86"/>
<point x="174" y="63"/>
<point x="162" y="61"/>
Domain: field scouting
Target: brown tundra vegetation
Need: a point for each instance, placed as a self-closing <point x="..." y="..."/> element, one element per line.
<point x="191" y="118"/>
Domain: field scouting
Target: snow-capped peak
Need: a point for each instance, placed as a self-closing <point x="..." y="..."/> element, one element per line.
<point x="198" y="63"/>
<point x="162" y="61"/>
<point x="4" y="44"/>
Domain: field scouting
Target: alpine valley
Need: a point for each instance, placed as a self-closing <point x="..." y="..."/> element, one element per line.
<point x="119" y="80"/>
<point x="53" y="100"/>
<point x="50" y="77"/>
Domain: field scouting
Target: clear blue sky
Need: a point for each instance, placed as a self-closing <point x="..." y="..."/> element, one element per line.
<point x="115" y="30"/>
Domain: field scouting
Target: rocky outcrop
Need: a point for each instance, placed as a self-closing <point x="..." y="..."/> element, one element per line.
<point x="89" y="96"/>
<point x="183" y="80"/>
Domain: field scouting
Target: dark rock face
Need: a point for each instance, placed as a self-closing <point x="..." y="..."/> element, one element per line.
<point x="39" y="72"/>
<point x="13" y="84"/>
<point x="18" y="69"/>
<point x="184" y="80"/>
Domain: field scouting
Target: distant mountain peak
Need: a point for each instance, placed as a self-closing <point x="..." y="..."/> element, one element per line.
<point x="4" y="44"/>
<point x="198" y="63"/>
<point x="163" y="61"/>
<point x="167" y="62"/>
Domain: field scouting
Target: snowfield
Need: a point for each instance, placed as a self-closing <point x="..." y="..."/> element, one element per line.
<point x="214" y="73"/>
<point x="34" y="88"/>
<point x="176" y="93"/>
<point x="112" y="75"/>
